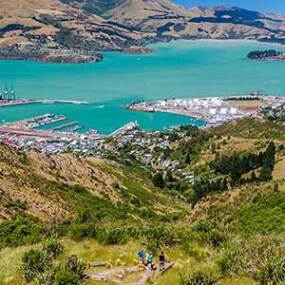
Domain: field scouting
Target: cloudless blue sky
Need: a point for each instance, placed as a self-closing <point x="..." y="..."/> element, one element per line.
<point x="277" y="6"/>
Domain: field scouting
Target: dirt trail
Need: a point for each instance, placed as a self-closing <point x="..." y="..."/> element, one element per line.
<point x="118" y="274"/>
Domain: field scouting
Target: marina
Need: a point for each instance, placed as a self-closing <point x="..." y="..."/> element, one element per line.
<point x="27" y="135"/>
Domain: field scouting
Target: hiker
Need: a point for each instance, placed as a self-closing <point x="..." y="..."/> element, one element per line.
<point x="149" y="260"/>
<point x="161" y="261"/>
<point x="141" y="256"/>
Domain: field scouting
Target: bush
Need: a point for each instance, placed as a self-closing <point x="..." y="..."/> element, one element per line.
<point x="203" y="226"/>
<point x="35" y="262"/>
<point x="20" y="231"/>
<point x="195" y="250"/>
<point x="232" y="261"/>
<point x="64" y="277"/>
<point x="272" y="271"/>
<point x="75" y="267"/>
<point x="216" y="237"/>
<point x="158" y="235"/>
<point x="158" y="180"/>
<point x="79" y="231"/>
<point x="110" y="236"/>
<point x="200" y="277"/>
<point x="53" y="248"/>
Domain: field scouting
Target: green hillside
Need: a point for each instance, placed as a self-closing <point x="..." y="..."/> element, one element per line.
<point x="226" y="227"/>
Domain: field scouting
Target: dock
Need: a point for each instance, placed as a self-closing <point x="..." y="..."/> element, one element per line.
<point x="48" y="121"/>
<point x="76" y="128"/>
<point x="63" y="126"/>
<point x="37" y="121"/>
<point x="125" y="128"/>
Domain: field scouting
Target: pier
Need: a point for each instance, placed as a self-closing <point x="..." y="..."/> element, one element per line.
<point x="63" y="126"/>
<point x="76" y="128"/>
<point x="37" y="121"/>
<point x="50" y="120"/>
<point x="125" y="128"/>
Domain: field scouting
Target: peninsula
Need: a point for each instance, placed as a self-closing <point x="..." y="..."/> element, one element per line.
<point x="215" y="110"/>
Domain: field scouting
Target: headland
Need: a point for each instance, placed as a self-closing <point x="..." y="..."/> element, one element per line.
<point x="214" y="110"/>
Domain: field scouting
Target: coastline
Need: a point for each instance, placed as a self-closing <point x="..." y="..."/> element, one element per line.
<point x="72" y="57"/>
<point x="213" y="111"/>
<point x="18" y="102"/>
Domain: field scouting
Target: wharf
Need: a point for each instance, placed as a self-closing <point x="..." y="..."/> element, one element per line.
<point x="48" y="121"/>
<point x="7" y="103"/>
<point x="126" y="127"/>
<point x="76" y="128"/>
<point x="63" y="126"/>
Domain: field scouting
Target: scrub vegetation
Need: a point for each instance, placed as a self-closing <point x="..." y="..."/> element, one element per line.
<point x="227" y="227"/>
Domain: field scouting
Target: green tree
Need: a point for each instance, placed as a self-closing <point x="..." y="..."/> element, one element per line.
<point x="265" y="173"/>
<point x="158" y="180"/>
<point x="188" y="158"/>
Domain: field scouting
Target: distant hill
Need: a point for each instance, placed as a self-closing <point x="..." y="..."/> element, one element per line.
<point x="36" y="29"/>
<point x="94" y="6"/>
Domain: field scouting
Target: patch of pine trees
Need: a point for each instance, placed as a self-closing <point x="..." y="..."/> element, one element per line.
<point x="234" y="167"/>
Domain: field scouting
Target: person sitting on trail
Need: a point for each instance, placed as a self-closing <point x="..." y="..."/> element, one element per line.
<point x="141" y="256"/>
<point x="161" y="261"/>
<point x="149" y="260"/>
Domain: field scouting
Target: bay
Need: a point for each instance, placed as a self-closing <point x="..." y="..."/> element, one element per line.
<point x="180" y="69"/>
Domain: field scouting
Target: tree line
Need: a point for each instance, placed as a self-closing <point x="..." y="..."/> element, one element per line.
<point x="236" y="165"/>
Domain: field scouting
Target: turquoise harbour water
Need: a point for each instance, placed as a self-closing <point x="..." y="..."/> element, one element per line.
<point x="182" y="69"/>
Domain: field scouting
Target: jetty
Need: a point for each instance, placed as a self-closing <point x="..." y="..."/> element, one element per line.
<point x="64" y="126"/>
<point x="124" y="128"/>
<point x="76" y="128"/>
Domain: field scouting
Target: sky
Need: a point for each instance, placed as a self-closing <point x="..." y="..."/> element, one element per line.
<point x="276" y="6"/>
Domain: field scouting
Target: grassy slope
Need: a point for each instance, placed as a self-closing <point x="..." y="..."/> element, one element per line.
<point x="252" y="216"/>
<point x="59" y="187"/>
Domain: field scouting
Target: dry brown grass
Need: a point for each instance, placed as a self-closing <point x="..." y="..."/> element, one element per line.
<point x="245" y="104"/>
<point x="279" y="170"/>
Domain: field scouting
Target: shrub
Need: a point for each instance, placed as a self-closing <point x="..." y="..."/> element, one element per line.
<point x="75" y="267"/>
<point x="232" y="261"/>
<point x="203" y="226"/>
<point x="216" y="237"/>
<point x="198" y="252"/>
<point x="79" y="231"/>
<point x="34" y="262"/>
<point x="64" y="277"/>
<point x="158" y="180"/>
<point x="200" y="277"/>
<point x="272" y="272"/>
<point x="113" y="235"/>
<point x="159" y="235"/>
<point x="19" y="232"/>
<point x="53" y="247"/>
<point x="115" y="185"/>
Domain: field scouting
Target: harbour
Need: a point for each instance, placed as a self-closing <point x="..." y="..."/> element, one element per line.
<point x="92" y="93"/>
<point x="24" y="135"/>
